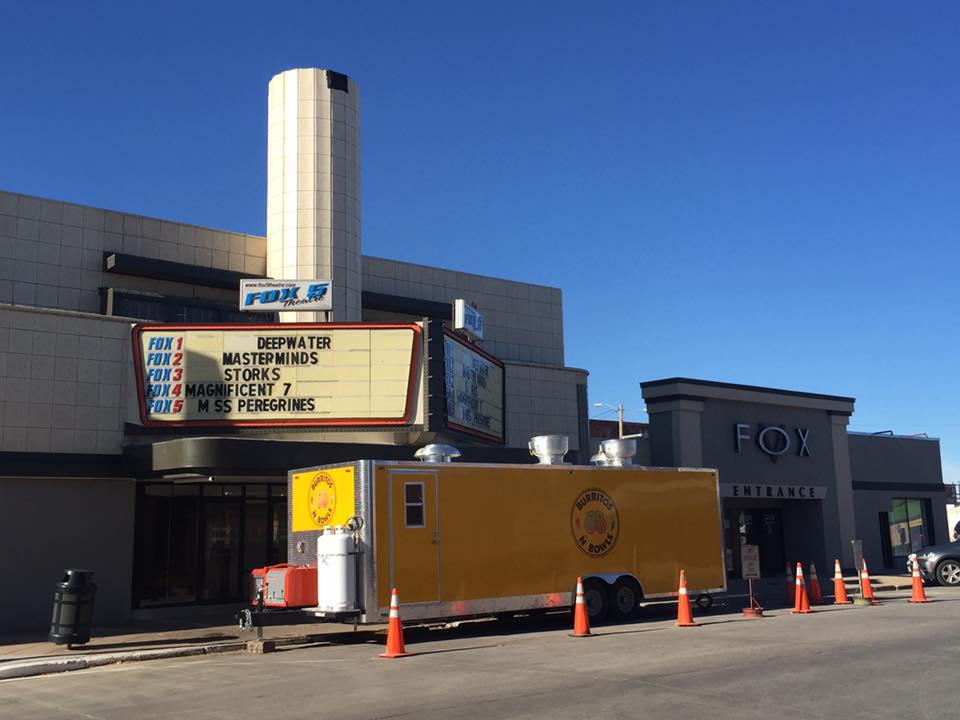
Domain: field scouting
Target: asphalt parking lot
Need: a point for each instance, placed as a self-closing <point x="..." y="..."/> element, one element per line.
<point x="894" y="660"/>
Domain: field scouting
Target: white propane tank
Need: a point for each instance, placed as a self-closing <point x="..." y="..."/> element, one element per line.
<point x="336" y="570"/>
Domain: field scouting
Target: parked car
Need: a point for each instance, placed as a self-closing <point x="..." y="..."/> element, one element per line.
<point x="940" y="563"/>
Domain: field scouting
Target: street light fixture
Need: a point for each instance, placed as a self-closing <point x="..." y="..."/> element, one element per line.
<point x="619" y="410"/>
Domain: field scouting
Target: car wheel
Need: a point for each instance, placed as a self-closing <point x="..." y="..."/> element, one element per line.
<point x="948" y="572"/>
<point x="625" y="598"/>
<point x="597" y="600"/>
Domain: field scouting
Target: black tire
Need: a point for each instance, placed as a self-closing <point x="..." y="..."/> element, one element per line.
<point x="597" y="599"/>
<point x="948" y="572"/>
<point x="704" y="601"/>
<point x="625" y="597"/>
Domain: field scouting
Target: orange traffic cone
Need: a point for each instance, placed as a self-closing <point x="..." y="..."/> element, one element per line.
<point x="816" y="597"/>
<point x="866" y="589"/>
<point x="802" y="603"/>
<point x="839" y="589"/>
<point x="684" y="614"/>
<point x="790" y="591"/>
<point x="581" y="623"/>
<point x="395" y="646"/>
<point x="918" y="596"/>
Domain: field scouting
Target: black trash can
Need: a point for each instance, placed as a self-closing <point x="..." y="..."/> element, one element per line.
<point x="73" y="608"/>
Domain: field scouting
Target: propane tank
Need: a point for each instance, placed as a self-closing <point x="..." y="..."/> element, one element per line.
<point x="336" y="570"/>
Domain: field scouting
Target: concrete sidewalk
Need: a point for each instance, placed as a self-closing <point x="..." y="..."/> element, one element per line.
<point x="24" y="656"/>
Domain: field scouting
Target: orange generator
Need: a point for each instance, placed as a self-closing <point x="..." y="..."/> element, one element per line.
<point x="285" y="586"/>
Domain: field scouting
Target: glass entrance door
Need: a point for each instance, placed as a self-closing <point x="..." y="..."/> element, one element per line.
<point x="762" y="527"/>
<point x="221" y="550"/>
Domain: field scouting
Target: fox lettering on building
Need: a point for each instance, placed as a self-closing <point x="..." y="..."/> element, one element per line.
<point x="774" y="440"/>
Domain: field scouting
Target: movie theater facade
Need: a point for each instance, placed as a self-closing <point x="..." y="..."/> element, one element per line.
<point x="794" y="482"/>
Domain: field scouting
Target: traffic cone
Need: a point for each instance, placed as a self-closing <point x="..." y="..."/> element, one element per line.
<point x="866" y="589"/>
<point x="816" y="598"/>
<point x="395" y="646"/>
<point x="790" y="591"/>
<point x="802" y="604"/>
<point x="684" y="614"/>
<point x="581" y="623"/>
<point x="918" y="596"/>
<point x="839" y="589"/>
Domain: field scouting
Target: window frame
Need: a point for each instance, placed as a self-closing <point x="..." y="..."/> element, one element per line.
<point x="407" y="505"/>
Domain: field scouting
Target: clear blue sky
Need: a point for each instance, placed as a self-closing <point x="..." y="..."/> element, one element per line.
<point x="763" y="193"/>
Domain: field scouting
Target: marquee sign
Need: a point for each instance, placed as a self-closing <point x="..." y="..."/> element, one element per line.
<point x="297" y="374"/>
<point x="474" y="389"/>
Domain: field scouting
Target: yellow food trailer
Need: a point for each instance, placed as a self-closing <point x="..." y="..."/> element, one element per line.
<point x="460" y="539"/>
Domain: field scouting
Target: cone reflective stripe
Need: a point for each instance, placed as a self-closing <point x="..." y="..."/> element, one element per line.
<point x="866" y="589"/>
<point x="581" y="623"/>
<point x="839" y="589"/>
<point x="790" y="589"/>
<point x="918" y="595"/>
<point x="684" y="613"/>
<point x="802" y="602"/>
<point x="395" y="647"/>
<point x="816" y="597"/>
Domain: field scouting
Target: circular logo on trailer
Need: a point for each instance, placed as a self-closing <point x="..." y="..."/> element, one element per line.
<point x="322" y="498"/>
<point x="594" y="522"/>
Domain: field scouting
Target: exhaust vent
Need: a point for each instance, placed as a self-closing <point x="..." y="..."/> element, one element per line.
<point x="549" y="449"/>
<point x="616" y="453"/>
<point x="437" y="453"/>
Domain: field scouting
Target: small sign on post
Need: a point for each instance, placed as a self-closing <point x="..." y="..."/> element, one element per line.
<point x="750" y="561"/>
<point x="750" y="570"/>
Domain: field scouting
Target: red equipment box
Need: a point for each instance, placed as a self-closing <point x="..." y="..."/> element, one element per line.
<point x="285" y="586"/>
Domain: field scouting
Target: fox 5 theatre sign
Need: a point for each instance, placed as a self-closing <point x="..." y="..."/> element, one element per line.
<point x="280" y="295"/>
<point x="774" y="440"/>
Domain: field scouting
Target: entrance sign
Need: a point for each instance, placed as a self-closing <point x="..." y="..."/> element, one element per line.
<point x="300" y="374"/>
<point x="282" y="295"/>
<point x="750" y="561"/>
<point x="774" y="492"/>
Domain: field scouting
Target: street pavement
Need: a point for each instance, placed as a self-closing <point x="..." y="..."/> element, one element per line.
<point x="894" y="660"/>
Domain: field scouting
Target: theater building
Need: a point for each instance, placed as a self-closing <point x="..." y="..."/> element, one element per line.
<point x="172" y="504"/>
<point x="793" y="480"/>
<point x="147" y="422"/>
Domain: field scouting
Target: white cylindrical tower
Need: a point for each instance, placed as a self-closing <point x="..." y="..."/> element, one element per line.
<point x="313" y="185"/>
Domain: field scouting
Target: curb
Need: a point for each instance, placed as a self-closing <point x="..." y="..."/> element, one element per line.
<point x="67" y="664"/>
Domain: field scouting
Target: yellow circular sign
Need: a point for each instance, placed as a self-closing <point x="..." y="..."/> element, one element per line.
<point x="594" y="522"/>
<point x="322" y="498"/>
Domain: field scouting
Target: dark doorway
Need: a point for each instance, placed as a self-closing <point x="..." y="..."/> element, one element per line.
<point x="762" y="527"/>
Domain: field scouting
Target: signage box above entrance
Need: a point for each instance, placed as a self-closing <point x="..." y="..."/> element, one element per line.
<point x="300" y="374"/>
<point x="285" y="295"/>
<point x="773" y="492"/>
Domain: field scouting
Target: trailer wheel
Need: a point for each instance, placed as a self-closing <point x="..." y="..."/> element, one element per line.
<point x="597" y="599"/>
<point x="704" y="601"/>
<point x="626" y="595"/>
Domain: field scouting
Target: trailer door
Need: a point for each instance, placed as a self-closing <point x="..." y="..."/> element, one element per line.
<point x="414" y="535"/>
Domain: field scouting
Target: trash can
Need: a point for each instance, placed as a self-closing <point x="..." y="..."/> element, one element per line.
<point x="73" y="608"/>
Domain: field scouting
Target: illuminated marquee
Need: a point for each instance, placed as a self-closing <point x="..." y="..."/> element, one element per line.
<point x="266" y="375"/>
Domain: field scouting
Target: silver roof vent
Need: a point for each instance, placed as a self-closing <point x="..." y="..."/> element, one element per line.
<point x="437" y="453"/>
<point x="617" y="452"/>
<point x="549" y="449"/>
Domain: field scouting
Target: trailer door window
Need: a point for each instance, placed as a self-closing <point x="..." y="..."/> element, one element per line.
<point x="413" y="504"/>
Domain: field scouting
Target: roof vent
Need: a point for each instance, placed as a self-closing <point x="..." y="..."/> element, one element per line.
<point x="617" y="453"/>
<point x="437" y="453"/>
<point x="549" y="449"/>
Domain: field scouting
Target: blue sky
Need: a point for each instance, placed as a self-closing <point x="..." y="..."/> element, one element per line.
<point x="762" y="193"/>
